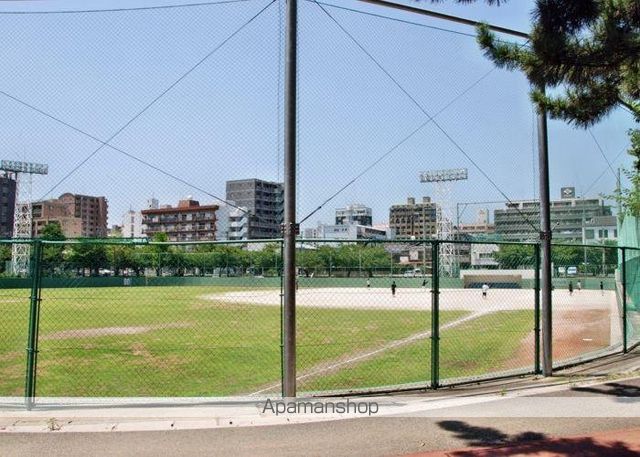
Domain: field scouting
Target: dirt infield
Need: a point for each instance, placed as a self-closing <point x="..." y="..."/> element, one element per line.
<point x="420" y="299"/>
<point x="583" y="322"/>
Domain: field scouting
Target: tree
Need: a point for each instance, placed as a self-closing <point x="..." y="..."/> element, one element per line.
<point x="154" y="255"/>
<point x="52" y="254"/>
<point x="587" y="48"/>
<point x="122" y="257"/>
<point x="267" y="259"/>
<point x="588" y="52"/>
<point x="5" y="255"/>
<point x="512" y="256"/>
<point x="374" y="257"/>
<point x="309" y="260"/>
<point x="89" y="255"/>
<point x="629" y="199"/>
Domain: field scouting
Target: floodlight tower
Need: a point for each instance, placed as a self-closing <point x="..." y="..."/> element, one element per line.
<point x="22" y="214"/>
<point x="443" y="181"/>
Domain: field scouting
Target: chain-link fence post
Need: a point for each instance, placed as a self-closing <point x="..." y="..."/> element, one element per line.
<point x="623" y="279"/>
<point x="279" y="272"/>
<point x="34" y="318"/>
<point x="536" y="287"/>
<point x="435" y="315"/>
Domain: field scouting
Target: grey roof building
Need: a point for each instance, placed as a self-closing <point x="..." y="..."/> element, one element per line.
<point x="264" y="200"/>
<point x="520" y="220"/>
<point x="354" y="214"/>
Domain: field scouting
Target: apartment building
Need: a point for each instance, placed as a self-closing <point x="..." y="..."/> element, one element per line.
<point x="189" y="221"/>
<point x="79" y="216"/>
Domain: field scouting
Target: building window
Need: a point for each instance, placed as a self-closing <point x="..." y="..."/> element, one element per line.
<point x="588" y="234"/>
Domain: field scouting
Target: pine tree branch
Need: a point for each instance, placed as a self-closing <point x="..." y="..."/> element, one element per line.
<point x="634" y="108"/>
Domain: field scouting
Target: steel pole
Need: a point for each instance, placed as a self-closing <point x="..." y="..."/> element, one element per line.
<point x="289" y="261"/>
<point x="435" y="315"/>
<point x="624" y="301"/>
<point x="536" y="311"/>
<point x="545" y="242"/>
<point x="34" y="319"/>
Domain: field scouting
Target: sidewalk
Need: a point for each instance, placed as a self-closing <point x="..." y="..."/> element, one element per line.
<point x="621" y="443"/>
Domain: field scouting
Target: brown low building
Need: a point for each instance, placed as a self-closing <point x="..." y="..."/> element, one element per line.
<point x="79" y="216"/>
<point x="187" y="222"/>
<point x="413" y="219"/>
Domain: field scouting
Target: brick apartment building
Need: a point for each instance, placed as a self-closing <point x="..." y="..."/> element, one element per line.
<point x="79" y="216"/>
<point x="187" y="222"/>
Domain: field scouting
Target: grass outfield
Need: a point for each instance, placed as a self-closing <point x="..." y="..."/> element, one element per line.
<point x="168" y="341"/>
<point x="484" y="345"/>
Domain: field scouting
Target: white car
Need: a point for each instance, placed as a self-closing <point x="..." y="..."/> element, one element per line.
<point x="412" y="273"/>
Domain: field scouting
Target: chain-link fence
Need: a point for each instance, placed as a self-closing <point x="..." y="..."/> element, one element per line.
<point x="14" y="325"/>
<point x="587" y="309"/>
<point x="497" y="292"/>
<point x="124" y="103"/>
<point x="629" y="277"/>
<point x="124" y="319"/>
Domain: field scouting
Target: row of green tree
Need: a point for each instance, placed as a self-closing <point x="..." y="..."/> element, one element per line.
<point x="518" y="256"/>
<point x="90" y="257"/>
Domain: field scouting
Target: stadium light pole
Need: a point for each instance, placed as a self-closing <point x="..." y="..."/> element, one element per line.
<point x="289" y="232"/>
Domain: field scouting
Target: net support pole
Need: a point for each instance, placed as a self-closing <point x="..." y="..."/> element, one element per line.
<point x="545" y="242"/>
<point x="435" y="315"/>
<point x="536" y="312"/>
<point x="624" y="301"/>
<point x="34" y="319"/>
<point x="289" y="251"/>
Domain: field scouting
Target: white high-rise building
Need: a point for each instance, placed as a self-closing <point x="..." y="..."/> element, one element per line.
<point x="132" y="224"/>
<point x="223" y="215"/>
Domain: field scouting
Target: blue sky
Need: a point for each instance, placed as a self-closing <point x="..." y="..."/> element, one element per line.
<point x="223" y="121"/>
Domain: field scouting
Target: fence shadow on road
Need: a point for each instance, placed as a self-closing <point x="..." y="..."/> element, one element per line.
<point x="529" y="443"/>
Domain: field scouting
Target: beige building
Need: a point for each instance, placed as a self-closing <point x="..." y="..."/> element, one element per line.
<point x="187" y="222"/>
<point x="413" y="219"/>
<point x="79" y="216"/>
<point x="480" y="227"/>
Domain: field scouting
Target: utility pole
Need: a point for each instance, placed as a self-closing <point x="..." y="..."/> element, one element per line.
<point x="289" y="241"/>
<point x="545" y="242"/>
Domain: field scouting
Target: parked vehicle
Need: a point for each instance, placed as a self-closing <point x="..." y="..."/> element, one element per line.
<point x="412" y="273"/>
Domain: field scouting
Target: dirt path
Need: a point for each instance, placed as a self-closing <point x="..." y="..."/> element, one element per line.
<point x="332" y="366"/>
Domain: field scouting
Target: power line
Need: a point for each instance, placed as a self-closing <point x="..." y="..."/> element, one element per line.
<point x="121" y="10"/>
<point x="421" y="108"/>
<point x="121" y="151"/>
<point x="157" y="98"/>
<point x="595" y="181"/>
<point x="403" y="21"/>
<point x="398" y="144"/>
<point x="602" y="152"/>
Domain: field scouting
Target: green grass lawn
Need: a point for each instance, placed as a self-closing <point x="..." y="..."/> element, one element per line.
<point x="481" y="346"/>
<point x="185" y="345"/>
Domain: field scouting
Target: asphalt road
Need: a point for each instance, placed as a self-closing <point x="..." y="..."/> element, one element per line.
<point x="359" y="437"/>
<point x="364" y="437"/>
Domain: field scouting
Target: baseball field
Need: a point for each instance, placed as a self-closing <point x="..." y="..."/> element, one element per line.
<point x="204" y="341"/>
